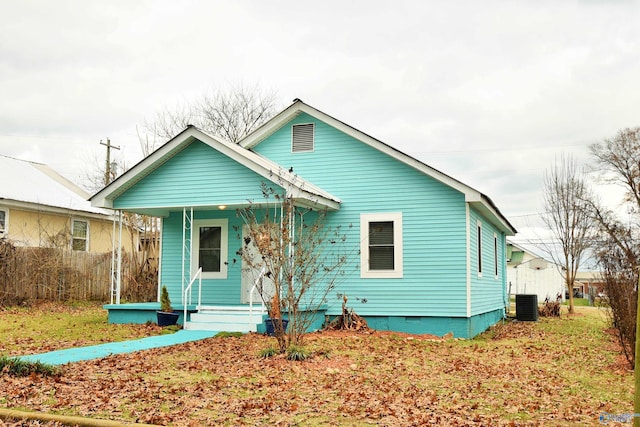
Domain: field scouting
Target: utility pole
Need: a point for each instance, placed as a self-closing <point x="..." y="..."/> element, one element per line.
<point x="107" y="169"/>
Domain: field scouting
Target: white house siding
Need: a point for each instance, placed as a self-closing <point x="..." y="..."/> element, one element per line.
<point x="526" y="278"/>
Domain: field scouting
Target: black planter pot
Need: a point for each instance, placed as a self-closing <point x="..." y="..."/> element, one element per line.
<point x="270" y="329"/>
<point x="167" y="319"/>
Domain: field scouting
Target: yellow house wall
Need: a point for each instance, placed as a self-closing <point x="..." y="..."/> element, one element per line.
<point x="27" y="228"/>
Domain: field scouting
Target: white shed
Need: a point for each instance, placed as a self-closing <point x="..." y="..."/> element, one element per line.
<point x="530" y="273"/>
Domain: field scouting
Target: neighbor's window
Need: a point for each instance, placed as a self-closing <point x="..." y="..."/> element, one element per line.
<point x="79" y="235"/>
<point x="479" y="248"/>
<point x="210" y="248"/>
<point x="3" y="221"/>
<point x="495" y="254"/>
<point x="381" y="245"/>
<point x="302" y="138"/>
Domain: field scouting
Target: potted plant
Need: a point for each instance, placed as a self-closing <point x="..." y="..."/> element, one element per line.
<point x="275" y="316"/>
<point x="166" y="316"/>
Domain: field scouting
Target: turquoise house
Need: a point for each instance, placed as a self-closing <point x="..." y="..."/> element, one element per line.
<point x="440" y="266"/>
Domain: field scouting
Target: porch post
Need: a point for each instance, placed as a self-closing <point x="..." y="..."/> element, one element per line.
<point x="119" y="276"/>
<point x="187" y="224"/>
<point x="184" y="242"/>
<point x="292" y="235"/>
<point x="112" y="279"/>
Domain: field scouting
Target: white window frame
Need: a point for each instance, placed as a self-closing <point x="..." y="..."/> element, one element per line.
<point x="4" y="231"/>
<point x="479" y="247"/>
<point x="73" y="237"/>
<point x="496" y="253"/>
<point x="365" y="219"/>
<point x="313" y="137"/>
<point x="224" y="249"/>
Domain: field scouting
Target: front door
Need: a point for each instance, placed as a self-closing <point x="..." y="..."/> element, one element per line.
<point x="251" y="274"/>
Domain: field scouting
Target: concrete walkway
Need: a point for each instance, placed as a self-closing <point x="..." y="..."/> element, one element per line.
<point x="61" y="357"/>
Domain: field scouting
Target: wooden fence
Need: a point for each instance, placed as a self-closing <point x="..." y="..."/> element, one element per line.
<point x="65" y="275"/>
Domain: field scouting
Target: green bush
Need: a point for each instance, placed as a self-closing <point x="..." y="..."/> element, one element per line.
<point x="295" y="352"/>
<point x="265" y="353"/>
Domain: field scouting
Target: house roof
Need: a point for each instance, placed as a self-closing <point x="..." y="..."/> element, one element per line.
<point x="34" y="183"/>
<point x="480" y="201"/>
<point x="519" y="249"/>
<point x="303" y="191"/>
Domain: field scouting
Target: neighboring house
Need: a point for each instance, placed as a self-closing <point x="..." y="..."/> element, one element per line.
<point x="41" y="208"/>
<point x="589" y="283"/>
<point x="529" y="273"/>
<point x="445" y="243"/>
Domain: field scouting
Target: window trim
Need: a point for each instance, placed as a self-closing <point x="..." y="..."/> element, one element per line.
<point x="495" y="255"/>
<point x="313" y="138"/>
<point x="224" y="247"/>
<point x="5" y="230"/>
<point x="73" y="237"/>
<point x="365" y="219"/>
<point x="479" y="247"/>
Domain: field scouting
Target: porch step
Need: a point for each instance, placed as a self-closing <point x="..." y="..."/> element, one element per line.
<point x="225" y="318"/>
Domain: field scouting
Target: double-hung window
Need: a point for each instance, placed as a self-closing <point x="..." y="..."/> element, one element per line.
<point x="381" y="245"/>
<point x="496" y="264"/>
<point x="79" y="235"/>
<point x="210" y="248"/>
<point x="4" y="222"/>
<point x="479" y="248"/>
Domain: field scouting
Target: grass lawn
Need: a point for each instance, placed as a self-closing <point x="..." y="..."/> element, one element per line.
<point x="49" y="326"/>
<point x="553" y="372"/>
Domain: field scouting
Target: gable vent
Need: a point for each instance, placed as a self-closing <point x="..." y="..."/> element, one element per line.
<point x="302" y="138"/>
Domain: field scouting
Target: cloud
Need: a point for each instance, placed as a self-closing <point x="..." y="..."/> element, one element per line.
<point x="489" y="93"/>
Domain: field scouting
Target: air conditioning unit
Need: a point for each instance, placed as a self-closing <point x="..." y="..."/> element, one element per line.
<point x="527" y="307"/>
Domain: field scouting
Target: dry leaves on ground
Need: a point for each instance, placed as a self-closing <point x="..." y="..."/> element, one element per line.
<point x="517" y="378"/>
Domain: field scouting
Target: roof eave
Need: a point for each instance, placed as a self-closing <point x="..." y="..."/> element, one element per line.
<point x="264" y="167"/>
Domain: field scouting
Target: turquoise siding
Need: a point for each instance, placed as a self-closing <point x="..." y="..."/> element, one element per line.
<point x="197" y="176"/>
<point x="460" y="327"/>
<point x="432" y="294"/>
<point x="214" y="291"/>
<point x="368" y="181"/>
<point x="487" y="289"/>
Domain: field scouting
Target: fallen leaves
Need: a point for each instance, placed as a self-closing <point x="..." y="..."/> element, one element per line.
<point x="520" y="374"/>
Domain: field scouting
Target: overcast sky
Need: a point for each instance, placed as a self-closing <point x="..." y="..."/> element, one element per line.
<point x="487" y="92"/>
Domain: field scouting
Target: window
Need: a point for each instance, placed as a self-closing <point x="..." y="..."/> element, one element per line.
<point x="381" y="245"/>
<point x="79" y="235"/>
<point x="479" y="249"/>
<point x="495" y="254"/>
<point x="210" y="248"/>
<point x="4" y="222"/>
<point x="302" y="138"/>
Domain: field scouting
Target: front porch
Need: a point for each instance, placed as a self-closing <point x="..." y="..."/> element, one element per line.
<point x="221" y="318"/>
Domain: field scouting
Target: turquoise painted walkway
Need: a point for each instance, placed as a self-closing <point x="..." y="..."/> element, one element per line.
<point x="61" y="357"/>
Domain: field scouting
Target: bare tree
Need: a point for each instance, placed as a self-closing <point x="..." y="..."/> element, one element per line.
<point x="567" y="216"/>
<point x="620" y="159"/>
<point x="300" y="257"/>
<point x="618" y="256"/>
<point x="227" y="114"/>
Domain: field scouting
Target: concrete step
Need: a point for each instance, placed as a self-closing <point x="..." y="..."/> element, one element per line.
<point x="237" y="309"/>
<point x="213" y="317"/>
<point x="221" y="327"/>
<point x="226" y="318"/>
